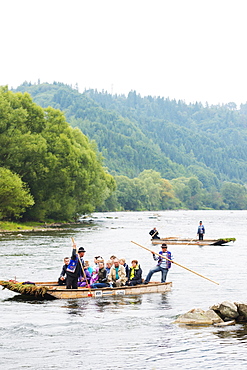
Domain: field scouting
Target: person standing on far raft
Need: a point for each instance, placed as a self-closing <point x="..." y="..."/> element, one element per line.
<point x="74" y="269"/>
<point x="201" y="231"/>
<point x="163" y="264"/>
<point x="154" y="233"/>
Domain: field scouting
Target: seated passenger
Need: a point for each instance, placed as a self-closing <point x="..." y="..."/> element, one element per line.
<point x="94" y="276"/>
<point x="96" y="261"/>
<point x="124" y="264"/>
<point x="82" y="281"/>
<point x="117" y="275"/>
<point x="88" y="267"/>
<point x="62" y="277"/>
<point x="135" y="274"/>
<point x="109" y="264"/>
<point x="101" y="281"/>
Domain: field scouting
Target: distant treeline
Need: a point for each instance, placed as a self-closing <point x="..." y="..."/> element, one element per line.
<point x="198" y="151"/>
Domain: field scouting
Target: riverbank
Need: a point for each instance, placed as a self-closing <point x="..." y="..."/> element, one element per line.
<point x="14" y="227"/>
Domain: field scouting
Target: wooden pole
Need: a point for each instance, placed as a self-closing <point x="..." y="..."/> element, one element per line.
<point x="154" y="234"/>
<point x="178" y="264"/>
<point x="88" y="285"/>
<point x="190" y="241"/>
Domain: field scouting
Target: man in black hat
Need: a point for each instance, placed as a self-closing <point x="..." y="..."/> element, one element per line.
<point x="74" y="269"/>
<point x="163" y="265"/>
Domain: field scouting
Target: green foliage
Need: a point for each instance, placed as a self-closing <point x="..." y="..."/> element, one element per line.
<point x="126" y="149"/>
<point x="25" y="289"/>
<point x="60" y="165"/>
<point x="146" y="192"/>
<point x="189" y="191"/>
<point x="14" y="195"/>
<point x="195" y="147"/>
<point x="234" y="195"/>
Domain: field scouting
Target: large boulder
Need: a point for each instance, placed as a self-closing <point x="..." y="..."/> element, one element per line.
<point x="197" y="316"/>
<point x="242" y="310"/>
<point x="213" y="316"/>
<point x="229" y="310"/>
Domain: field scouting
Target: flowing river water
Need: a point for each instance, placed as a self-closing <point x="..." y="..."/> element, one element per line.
<point x="126" y="332"/>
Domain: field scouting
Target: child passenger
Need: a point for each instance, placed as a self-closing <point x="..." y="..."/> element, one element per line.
<point x="101" y="281"/>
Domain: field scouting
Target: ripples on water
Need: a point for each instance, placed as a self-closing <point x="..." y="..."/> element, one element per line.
<point x="131" y="331"/>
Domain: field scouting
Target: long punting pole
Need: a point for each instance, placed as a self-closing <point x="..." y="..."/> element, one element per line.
<point x="178" y="264"/>
<point x="88" y="285"/>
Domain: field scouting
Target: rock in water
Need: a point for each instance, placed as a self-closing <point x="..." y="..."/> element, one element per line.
<point x="242" y="309"/>
<point x="197" y="316"/>
<point x="214" y="317"/>
<point x="228" y="309"/>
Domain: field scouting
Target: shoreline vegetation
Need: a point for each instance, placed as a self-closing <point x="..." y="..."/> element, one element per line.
<point x="55" y="168"/>
<point x="19" y="227"/>
<point x="163" y="153"/>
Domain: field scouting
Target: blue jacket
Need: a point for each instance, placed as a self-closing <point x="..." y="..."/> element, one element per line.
<point x="201" y="230"/>
<point x="74" y="266"/>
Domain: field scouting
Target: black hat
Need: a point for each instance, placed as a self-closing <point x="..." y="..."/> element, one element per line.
<point x="164" y="245"/>
<point x="81" y="249"/>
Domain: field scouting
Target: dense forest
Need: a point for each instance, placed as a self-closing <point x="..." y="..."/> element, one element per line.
<point x="163" y="153"/>
<point x="47" y="168"/>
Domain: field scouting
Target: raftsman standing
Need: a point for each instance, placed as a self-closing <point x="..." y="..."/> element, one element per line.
<point x="163" y="264"/>
<point x="201" y="230"/>
<point x="74" y="269"/>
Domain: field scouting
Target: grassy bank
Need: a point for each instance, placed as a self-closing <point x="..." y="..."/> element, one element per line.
<point x="15" y="226"/>
<point x="8" y="226"/>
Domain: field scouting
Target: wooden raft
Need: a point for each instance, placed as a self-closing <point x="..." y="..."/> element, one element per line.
<point x="51" y="290"/>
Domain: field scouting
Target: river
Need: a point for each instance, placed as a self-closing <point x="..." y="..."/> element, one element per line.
<point x="129" y="331"/>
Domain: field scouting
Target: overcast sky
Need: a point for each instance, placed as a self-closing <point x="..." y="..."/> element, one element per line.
<point x="194" y="50"/>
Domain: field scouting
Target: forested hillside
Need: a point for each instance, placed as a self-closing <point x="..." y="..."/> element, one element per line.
<point x="177" y="140"/>
<point x="126" y="149"/>
<point x="191" y="135"/>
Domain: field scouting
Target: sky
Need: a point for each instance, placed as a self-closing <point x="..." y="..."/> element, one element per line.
<point x="193" y="50"/>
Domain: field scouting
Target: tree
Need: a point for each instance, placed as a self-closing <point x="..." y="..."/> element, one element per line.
<point x="61" y="166"/>
<point x="189" y="192"/>
<point x="14" y="195"/>
<point x="234" y="195"/>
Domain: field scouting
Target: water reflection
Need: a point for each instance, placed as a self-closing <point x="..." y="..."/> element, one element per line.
<point x="25" y="299"/>
<point x="76" y="307"/>
<point x="164" y="301"/>
<point x="117" y="302"/>
<point x="239" y="333"/>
